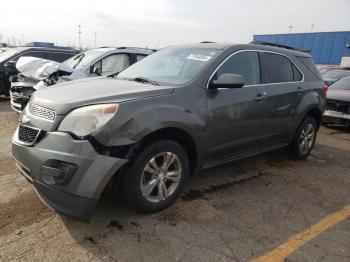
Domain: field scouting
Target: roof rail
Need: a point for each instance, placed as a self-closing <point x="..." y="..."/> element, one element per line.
<point x="272" y="44"/>
<point x="207" y="42"/>
<point x="132" y="47"/>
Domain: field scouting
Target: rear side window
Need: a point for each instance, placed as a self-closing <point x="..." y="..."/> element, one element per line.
<point x="276" y="68"/>
<point x="245" y="64"/>
<point x="297" y="75"/>
<point x="307" y="61"/>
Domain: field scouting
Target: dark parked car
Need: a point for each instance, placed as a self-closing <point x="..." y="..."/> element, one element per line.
<point x="334" y="75"/>
<point x="9" y="58"/>
<point x="338" y="103"/>
<point x="179" y="110"/>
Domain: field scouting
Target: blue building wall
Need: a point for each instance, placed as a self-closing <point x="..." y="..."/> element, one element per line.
<point x="325" y="47"/>
<point x="40" y="44"/>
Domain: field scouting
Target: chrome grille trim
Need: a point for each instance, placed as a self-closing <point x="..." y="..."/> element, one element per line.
<point x="42" y="112"/>
<point x="27" y="135"/>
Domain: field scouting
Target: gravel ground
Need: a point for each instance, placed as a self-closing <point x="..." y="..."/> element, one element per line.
<point x="236" y="212"/>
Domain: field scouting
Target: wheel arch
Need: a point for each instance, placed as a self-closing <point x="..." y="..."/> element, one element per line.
<point x="179" y="135"/>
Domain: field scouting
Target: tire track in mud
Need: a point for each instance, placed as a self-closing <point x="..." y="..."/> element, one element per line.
<point x="24" y="210"/>
<point x="193" y="194"/>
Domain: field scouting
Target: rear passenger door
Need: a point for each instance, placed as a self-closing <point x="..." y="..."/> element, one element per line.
<point x="283" y="89"/>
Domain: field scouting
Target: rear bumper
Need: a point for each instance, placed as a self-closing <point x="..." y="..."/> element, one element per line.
<point x="78" y="198"/>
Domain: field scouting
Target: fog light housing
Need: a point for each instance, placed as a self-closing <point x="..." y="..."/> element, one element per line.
<point x="58" y="173"/>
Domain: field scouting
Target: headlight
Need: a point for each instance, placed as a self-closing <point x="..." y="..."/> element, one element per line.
<point x="85" y="120"/>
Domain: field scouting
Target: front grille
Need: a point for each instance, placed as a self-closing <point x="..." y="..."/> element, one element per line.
<point x="339" y="106"/>
<point x="20" y="99"/>
<point x="42" y="112"/>
<point x="28" y="135"/>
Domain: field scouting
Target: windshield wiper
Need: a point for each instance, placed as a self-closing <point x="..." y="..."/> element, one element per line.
<point x="79" y="58"/>
<point x="144" y="80"/>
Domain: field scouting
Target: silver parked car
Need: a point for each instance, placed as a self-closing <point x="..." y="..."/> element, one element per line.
<point x="37" y="73"/>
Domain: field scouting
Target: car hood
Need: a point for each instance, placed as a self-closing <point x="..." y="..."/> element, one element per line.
<point x="341" y="95"/>
<point x="38" y="68"/>
<point x="64" y="97"/>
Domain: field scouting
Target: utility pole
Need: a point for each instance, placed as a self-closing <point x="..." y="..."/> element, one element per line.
<point x="290" y="29"/>
<point x="79" y="33"/>
<point x="312" y="27"/>
<point x="95" y="39"/>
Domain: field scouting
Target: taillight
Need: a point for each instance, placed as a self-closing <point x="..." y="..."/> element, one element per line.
<point x="325" y="90"/>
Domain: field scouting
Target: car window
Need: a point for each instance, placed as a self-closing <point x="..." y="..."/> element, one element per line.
<point x="115" y="63"/>
<point x="83" y="59"/>
<point x="140" y="57"/>
<point x="310" y="65"/>
<point x="275" y="68"/>
<point x="172" y="65"/>
<point x="245" y="64"/>
<point x="336" y="74"/>
<point x="31" y="53"/>
<point x="296" y="73"/>
<point x="342" y="84"/>
<point x="57" y="56"/>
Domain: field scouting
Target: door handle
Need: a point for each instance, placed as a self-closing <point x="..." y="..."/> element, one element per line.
<point x="260" y="96"/>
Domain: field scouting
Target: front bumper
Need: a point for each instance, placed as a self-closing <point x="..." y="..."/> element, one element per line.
<point x="335" y="117"/>
<point x="78" y="198"/>
<point x="20" y="95"/>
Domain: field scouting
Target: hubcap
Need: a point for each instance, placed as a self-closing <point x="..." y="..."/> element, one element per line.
<point x="306" y="138"/>
<point x="161" y="177"/>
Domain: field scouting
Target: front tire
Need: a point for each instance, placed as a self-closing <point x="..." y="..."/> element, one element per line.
<point x="156" y="177"/>
<point x="305" y="137"/>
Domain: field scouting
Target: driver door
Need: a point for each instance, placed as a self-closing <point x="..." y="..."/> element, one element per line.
<point x="235" y="116"/>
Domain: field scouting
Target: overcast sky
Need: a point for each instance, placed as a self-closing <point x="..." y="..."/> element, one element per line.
<point x="158" y="23"/>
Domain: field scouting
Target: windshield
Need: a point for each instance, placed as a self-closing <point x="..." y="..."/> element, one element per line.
<point x="171" y="66"/>
<point x="325" y="70"/>
<point x="342" y="84"/>
<point x="336" y="74"/>
<point x="82" y="59"/>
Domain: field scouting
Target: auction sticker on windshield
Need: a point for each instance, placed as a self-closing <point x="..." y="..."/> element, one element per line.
<point x="204" y="58"/>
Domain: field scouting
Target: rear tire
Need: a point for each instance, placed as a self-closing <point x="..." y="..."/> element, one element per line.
<point x="156" y="177"/>
<point x="305" y="137"/>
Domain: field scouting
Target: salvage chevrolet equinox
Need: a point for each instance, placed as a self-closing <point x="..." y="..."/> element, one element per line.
<point x="179" y="110"/>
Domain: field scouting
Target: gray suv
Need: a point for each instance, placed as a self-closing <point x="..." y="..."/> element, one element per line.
<point x="179" y="110"/>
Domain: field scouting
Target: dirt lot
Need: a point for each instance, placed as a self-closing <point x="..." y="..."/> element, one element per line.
<point x="238" y="212"/>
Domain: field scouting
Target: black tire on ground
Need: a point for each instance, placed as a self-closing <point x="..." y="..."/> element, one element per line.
<point x="299" y="151"/>
<point x="131" y="186"/>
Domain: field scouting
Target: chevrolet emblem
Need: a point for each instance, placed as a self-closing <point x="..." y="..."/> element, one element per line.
<point x="25" y="119"/>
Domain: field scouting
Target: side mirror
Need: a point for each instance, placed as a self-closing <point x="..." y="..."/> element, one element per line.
<point x="11" y="64"/>
<point x="227" y="81"/>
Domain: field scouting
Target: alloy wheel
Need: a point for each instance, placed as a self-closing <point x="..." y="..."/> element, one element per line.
<point x="306" y="139"/>
<point x="161" y="177"/>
